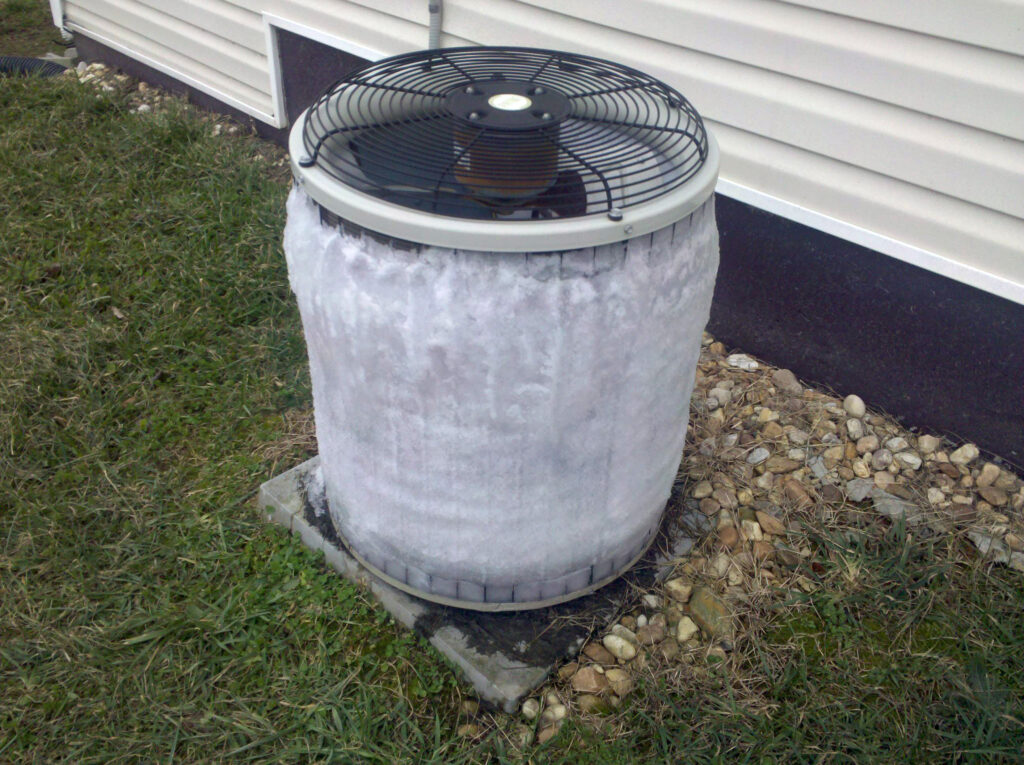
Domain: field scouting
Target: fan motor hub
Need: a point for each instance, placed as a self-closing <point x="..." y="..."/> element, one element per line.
<point x="499" y="104"/>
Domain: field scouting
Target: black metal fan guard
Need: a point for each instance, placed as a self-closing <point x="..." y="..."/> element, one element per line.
<point x="505" y="133"/>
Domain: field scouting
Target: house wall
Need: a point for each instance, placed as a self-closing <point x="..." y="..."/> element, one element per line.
<point x="895" y="125"/>
<point x="886" y="139"/>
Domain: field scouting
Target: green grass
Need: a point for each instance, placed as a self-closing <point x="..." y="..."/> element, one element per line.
<point x="152" y="369"/>
<point x="26" y="29"/>
<point x="150" y="354"/>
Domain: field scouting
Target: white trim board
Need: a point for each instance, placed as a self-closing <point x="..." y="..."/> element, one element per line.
<point x="908" y="253"/>
<point x="270" y="22"/>
<point x="242" y="106"/>
<point x="57" y="11"/>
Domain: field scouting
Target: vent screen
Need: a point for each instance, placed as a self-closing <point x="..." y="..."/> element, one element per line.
<point x="505" y="134"/>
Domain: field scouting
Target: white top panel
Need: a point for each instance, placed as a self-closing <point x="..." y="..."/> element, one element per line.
<point x="504" y="235"/>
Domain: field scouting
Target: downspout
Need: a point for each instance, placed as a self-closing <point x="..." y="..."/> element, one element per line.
<point x="435" y="24"/>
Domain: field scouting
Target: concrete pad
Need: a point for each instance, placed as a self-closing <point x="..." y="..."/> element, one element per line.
<point x="503" y="655"/>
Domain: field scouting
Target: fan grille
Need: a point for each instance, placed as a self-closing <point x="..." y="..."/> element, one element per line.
<point x="505" y="134"/>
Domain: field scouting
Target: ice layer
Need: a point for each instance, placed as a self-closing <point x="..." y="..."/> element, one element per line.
<point x="500" y="427"/>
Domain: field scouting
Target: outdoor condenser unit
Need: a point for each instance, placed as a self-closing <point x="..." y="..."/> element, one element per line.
<point x="504" y="259"/>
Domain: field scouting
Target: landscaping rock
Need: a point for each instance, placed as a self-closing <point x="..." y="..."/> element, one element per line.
<point x="987" y="475"/>
<point x="710" y="613"/>
<point x="770" y="524"/>
<point x="995" y="497"/>
<point x="679" y="589"/>
<point x="667" y="650"/>
<point x="854" y="406"/>
<point x="796" y="492"/>
<point x="859" y="489"/>
<point x="702" y="489"/>
<point x="650" y="634"/>
<point x="751" y="530"/>
<point x="881" y="459"/>
<point x="589" y="680"/>
<point x="621" y="682"/>
<point x="686" y="629"/>
<point x="624" y="632"/>
<point x="530" y="709"/>
<point x="742" y="361"/>
<point x="908" y="460"/>
<point x="547" y="733"/>
<point x="786" y="381"/>
<point x="651" y="600"/>
<point x="598" y="653"/>
<point x="867" y="444"/>
<point x="620" y="648"/>
<point x="894" y="508"/>
<point x="758" y="456"/>
<point x="965" y="455"/>
<point x="778" y="465"/>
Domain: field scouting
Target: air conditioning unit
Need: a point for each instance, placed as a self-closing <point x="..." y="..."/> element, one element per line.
<point x="504" y="259"/>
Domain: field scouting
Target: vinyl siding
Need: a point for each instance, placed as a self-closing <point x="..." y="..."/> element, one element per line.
<point x="901" y="119"/>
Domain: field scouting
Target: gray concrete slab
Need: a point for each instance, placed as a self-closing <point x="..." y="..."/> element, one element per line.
<point x="503" y="655"/>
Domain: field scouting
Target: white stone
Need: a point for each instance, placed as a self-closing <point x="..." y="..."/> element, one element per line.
<point x="751" y="531"/>
<point x="909" y="460"/>
<point x="897" y="444"/>
<point x="884" y="479"/>
<point x="881" y="459"/>
<point x="530" y="709"/>
<point x="742" y="361"/>
<point x="988" y="475"/>
<point x="554" y="713"/>
<point x="797" y="436"/>
<point x="720" y="565"/>
<point x="928" y="444"/>
<point x="935" y="496"/>
<point x="867" y="444"/>
<point x="965" y="455"/>
<point x="854" y="406"/>
<point x="759" y="455"/>
<point x="855" y="429"/>
<point x="686" y="629"/>
<point x="722" y="395"/>
<point x="859" y="489"/>
<point x="679" y="589"/>
<point x="702" y="489"/>
<point x="625" y="633"/>
<point x="990" y="547"/>
<point x="641" y="621"/>
<point x="619" y="647"/>
<point x="652" y="601"/>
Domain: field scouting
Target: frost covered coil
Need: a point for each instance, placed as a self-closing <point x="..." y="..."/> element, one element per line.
<point x="500" y="430"/>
